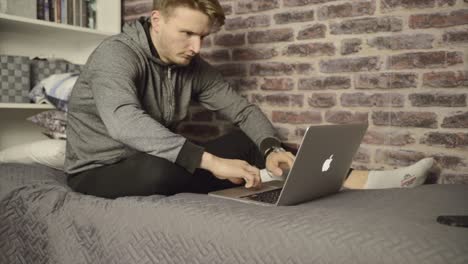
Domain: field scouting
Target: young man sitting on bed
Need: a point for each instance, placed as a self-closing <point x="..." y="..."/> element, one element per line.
<point x="134" y="89"/>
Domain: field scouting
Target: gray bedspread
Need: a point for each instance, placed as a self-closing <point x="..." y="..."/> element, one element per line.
<point x="43" y="221"/>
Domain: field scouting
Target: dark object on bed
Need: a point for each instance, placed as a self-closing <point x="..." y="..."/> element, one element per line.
<point x="42" y="221"/>
<point x="453" y="220"/>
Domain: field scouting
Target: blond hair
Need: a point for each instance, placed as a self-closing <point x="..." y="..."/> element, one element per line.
<point x="211" y="8"/>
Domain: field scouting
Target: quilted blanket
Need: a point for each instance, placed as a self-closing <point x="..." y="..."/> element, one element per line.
<point x="43" y="221"/>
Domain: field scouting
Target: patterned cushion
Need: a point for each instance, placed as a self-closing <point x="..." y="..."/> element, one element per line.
<point x="41" y="69"/>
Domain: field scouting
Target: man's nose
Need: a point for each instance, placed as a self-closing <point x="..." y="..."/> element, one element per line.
<point x="196" y="44"/>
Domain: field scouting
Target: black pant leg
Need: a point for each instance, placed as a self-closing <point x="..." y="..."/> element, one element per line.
<point x="144" y="174"/>
<point x="138" y="175"/>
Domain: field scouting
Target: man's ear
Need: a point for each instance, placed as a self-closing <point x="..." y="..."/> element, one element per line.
<point x="156" y="19"/>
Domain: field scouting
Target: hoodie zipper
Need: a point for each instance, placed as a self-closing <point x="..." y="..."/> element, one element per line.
<point x="171" y="96"/>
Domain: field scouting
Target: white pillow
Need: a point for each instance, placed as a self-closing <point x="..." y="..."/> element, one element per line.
<point x="48" y="152"/>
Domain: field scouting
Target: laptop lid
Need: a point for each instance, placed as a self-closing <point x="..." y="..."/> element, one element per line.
<point x="322" y="162"/>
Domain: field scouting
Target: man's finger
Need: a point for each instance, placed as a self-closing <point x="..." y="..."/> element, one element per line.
<point x="249" y="180"/>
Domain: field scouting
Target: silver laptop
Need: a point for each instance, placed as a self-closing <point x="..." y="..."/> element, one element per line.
<point x="321" y="165"/>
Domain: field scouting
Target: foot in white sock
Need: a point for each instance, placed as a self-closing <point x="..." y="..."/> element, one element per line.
<point x="407" y="177"/>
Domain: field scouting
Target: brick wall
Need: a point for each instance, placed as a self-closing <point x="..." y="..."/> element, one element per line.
<point x="401" y="65"/>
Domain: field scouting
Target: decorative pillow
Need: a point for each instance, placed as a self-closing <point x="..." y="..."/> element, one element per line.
<point x="56" y="89"/>
<point x="54" y="121"/>
<point x="48" y="152"/>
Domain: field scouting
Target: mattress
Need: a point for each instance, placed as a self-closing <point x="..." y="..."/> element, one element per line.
<point x="43" y="221"/>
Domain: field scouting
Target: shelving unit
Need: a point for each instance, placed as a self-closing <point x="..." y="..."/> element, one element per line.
<point x="37" y="38"/>
<point x="26" y="106"/>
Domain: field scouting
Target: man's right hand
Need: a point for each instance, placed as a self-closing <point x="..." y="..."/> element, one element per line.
<point x="234" y="170"/>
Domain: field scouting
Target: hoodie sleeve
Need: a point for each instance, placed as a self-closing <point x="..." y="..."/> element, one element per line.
<point x="216" y="94"/>
<point x="115" y="72"/>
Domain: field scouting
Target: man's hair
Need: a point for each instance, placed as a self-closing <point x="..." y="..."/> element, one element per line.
<point x="211" y="8"/>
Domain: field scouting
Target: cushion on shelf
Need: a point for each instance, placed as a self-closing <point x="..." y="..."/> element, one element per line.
<point x="54" y="121"/>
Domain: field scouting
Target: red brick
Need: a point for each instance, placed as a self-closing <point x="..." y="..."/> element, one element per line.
<point x="140" y="8"/>
<point x="449" y="140"/>
<point x="293" y="17"/>
<point x="363" y="155"/>
<point x="439" y="20"/>
<point x="206" y="42"/>
<point x="248" y="6"/>
<point x="386" y="81"/>
<point x="456" y="37"/>
<point x="310" y="50"/>
<point x="367" y="25"/>
<point x="350" y="65"/>
<point x="350" y="46"/>
<point x="402" y="42"/>
<point x="201" y="132"/>
<point x="289" y="117"/>
<point x="393" y="138"/>
<point x="243" y="84"/>
<point x="216" y="55"/>
<point x="271" y="69"/>
<point x="278" y="84"/>
<point x="446" y="79"/>
<point x="351" y="9"/>
<point x="303" y="68"/>
<point x="372" y="100"/>
<point x="245" y="54"/>
<point x="398" y="158"/>
<point x="454" y="178"/>
<point x="249" y="22"/>
<point x="388" y="5"/>
<point x="312" y="32"/>
<point x="322" y="100"/>
<point x="229" y="39"/>
<point x="345" y="117"/>
<point x="232" y="70"/>
<point x="282" y="100"/>
<point x="324" y="83"/>
<point x="227" y="9"/>
<point x="456" y="120"/>
<point x="444" y="100"/>
<point x="424" y="60"/>
<point x="405" y="119"/>
<point x="446" y="2"/>
<point x="304" y="2"/>
<point x="272" y="35"/>
<point x="451" y="162"/>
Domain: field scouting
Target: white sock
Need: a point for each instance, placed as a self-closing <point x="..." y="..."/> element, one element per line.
<point x="407" y="177"/>
<point x="266" y="176"/>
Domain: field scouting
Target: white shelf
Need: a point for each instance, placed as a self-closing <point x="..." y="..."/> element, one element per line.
<point x="11" y="23"/>
<point x="26" y="106"/>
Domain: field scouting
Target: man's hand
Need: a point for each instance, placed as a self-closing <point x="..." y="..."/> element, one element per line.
<point x="234" y="170"/>
<point x="277" y="161"/>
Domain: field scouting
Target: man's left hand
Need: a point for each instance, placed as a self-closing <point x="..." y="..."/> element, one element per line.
<point x="277" y="161"/>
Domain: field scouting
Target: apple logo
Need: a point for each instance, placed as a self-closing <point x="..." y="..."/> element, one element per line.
<point x="326" y="163"/>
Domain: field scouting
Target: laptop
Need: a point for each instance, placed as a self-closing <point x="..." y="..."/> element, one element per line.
<point x="319" y="169"/>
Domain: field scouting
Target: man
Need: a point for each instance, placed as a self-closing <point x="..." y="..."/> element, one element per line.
<point x="136" y="87"/>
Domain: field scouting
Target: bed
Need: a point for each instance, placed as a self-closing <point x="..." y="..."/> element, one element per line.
<point x="43" y="221"/>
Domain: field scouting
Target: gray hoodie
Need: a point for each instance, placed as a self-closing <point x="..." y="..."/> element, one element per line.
<point x="126" y="101"/>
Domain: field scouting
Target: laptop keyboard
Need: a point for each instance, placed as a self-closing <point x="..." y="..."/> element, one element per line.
<point x="265" y="197"/>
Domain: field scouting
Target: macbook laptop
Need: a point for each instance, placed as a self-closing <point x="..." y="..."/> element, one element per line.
<point x="320" y="167"/>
